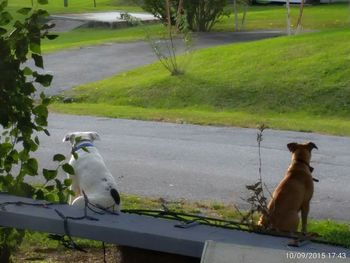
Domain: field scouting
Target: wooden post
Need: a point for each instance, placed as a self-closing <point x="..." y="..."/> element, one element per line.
<point x="301" y="11"/>
<point x="289" y="29"/>
<point x="245" y="7"/>
<point x="235" y="11"/>
<point x="167" y="7"/>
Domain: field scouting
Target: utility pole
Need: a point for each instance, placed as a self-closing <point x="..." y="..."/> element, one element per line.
<point x="235" y="11"/>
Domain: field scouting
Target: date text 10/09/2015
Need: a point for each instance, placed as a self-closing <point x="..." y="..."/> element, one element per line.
<point x="315" y="255"/>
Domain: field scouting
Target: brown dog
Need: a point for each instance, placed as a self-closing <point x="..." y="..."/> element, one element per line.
<point x="293" y="194"/>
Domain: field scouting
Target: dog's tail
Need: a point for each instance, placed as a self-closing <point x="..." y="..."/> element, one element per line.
<point x="115" y="195"/>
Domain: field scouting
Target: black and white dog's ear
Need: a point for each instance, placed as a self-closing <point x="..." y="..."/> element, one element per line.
<point x="69" y="137"/>
<point x="94" y="136"/>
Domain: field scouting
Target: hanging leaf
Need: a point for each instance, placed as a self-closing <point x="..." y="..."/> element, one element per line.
<point x="5" y="18"/>
<point x="59" y="158"/>
<point x="3" y="31"/>
<point x="24" y="11"/>
<point x="27" y="71"/>
<point x="38" y="60"/>
<point x="49" y="174"/>
<point x="46" y="132"/>
<point x="35" y="47"/>
<point x="50" y="197"/>
<point x="68" y="169"/>
<point x="32" y="166"/>
<point x="67" y="182"/>
<point x="44" y="80"/>
<point x="51" y="37"/>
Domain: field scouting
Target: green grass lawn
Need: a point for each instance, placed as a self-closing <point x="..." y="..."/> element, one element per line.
<point x="315" y="17"/>
<point x="78" y="6"/>
<point x="295" y="83"/>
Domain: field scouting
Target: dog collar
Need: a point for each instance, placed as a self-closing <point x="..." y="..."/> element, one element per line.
<point x="308" y="165"/>
<point x="82" y="145"/>
<point x="310" y="168"/>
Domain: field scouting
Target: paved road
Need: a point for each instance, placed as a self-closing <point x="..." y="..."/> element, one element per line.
<point x="206" y="163"/>
<point x="87" y="64"/>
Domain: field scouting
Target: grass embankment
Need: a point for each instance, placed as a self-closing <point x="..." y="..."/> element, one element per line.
<point x="296" y="83"/>
<point x="38" y="246"/>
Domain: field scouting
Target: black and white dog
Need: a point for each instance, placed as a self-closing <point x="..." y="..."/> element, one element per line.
<point x="91" y="174"/>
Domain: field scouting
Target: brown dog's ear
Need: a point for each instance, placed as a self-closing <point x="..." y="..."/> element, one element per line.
<point x="311" y="146"/>
<point x="292" y="146"/>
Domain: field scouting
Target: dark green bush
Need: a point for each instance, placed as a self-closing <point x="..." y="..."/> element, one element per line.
<point x="201" y="15"/>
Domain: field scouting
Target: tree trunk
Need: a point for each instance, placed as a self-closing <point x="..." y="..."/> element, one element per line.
<point x="245" y="7"/>
<point x="179" y="15"/>
<point x="5" y="254"/>
<point x="300" y="17"/>
<point x="349" y="11"/>
<point x="289" y="26"/>
<point x="167" y="7"/>
<point x="235" y="12"/>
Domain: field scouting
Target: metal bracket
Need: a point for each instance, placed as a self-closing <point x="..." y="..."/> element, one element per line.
<point x="297" y="242"/>
<point x="188" y="224"/>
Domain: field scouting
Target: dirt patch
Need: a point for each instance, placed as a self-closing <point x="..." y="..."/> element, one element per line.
<point x="60" y="254"/>
<point x="114" y="254"/>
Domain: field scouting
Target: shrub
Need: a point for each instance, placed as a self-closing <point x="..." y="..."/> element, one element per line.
<point x="166" y="49"/>
<point x="158" y="9"/>
<point x="23" y="115"/>
<point x="201" y="15"/>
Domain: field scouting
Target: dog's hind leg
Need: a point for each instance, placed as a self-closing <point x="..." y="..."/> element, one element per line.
<point x="79" y="201"/>
<point x="304" y="213"/>
<point x="75" y="188"/>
